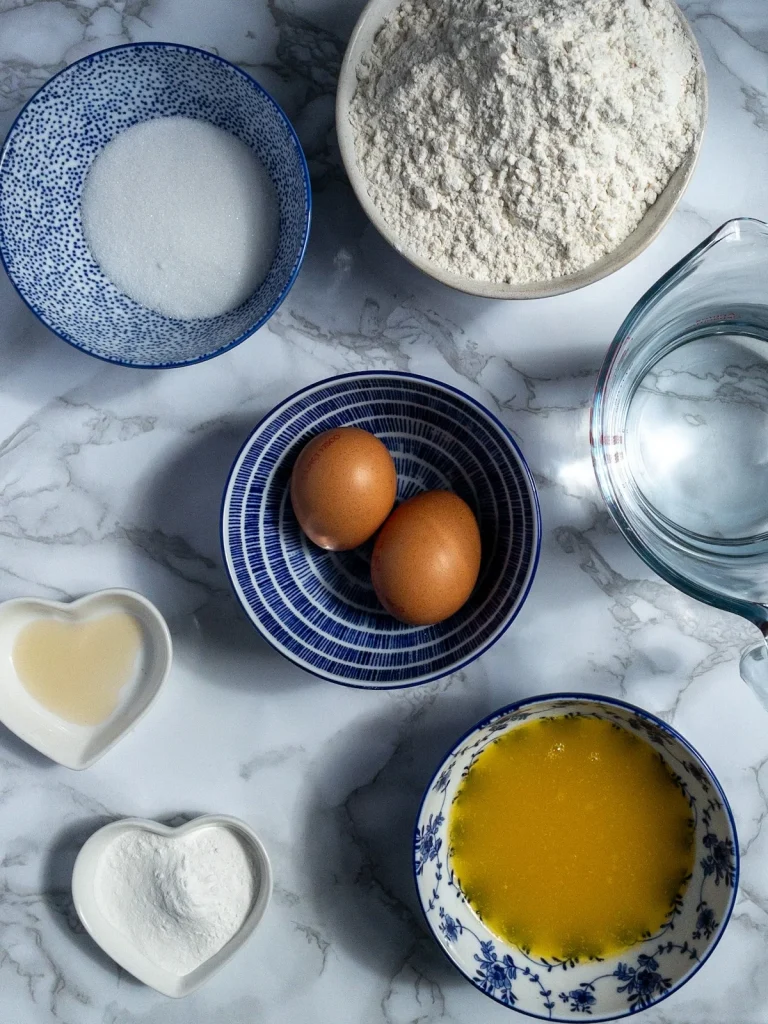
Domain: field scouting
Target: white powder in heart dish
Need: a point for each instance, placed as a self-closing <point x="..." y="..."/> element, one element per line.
<point x="181" y="899"/>
<point x="181" y="216"/>
<point x="522" y="140"/>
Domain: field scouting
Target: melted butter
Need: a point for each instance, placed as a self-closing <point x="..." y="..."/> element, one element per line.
<point x="570" y="838"/>
<point x="77" y="669"/>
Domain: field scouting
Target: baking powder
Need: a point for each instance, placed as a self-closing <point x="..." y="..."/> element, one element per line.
<point x="179" y="900"/>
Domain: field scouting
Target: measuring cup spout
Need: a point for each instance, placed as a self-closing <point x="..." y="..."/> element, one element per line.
<point x="754" y="668"/>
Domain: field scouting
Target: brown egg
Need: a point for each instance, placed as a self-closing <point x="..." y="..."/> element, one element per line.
<point x="343" y="487"/>
<point x="426" y="559"/>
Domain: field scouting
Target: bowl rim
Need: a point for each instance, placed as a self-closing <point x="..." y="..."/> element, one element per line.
<point x="592" y="698"/>
<point x="535" y="507"/>
<point x="496" y="289"/>
<point x="299" y="259"/>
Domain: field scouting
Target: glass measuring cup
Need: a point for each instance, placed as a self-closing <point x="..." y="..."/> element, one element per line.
<point x="679" y="429"/>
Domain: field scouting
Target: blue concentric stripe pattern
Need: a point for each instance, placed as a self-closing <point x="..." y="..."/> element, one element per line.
<point x="46" y="158"/>
<point x="318" y="607"/>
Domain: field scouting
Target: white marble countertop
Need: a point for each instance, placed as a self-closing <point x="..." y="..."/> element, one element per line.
<point x="113" y="477"/>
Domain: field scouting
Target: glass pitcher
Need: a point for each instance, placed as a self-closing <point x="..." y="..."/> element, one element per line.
<point x="679" y="429"/>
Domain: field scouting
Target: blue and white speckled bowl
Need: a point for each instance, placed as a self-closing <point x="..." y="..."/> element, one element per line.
<point x="596" y="990"/>
<point x="46" y="158"/>
<point x="318" y="607"/>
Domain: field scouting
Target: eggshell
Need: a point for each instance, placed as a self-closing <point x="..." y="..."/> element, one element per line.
<point x="427" y="558"/>
<point x="343" y="487"/>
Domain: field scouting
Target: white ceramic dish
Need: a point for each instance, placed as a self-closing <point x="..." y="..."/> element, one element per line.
<point x="78" y="746"/>
<point x="119" y="947"/>
<point x="372" y="18"/>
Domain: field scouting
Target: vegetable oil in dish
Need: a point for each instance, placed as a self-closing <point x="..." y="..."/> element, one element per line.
<point x="77" y="669"/>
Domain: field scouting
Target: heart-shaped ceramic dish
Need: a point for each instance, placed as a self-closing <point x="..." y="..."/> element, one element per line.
<point x="119" y="946"/>
<point x="72" y="745"/>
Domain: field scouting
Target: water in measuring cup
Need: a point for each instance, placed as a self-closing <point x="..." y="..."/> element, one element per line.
<point x="697" y="435"/>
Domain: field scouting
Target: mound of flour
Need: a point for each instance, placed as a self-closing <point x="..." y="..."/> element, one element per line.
<point x="520" y="140"/>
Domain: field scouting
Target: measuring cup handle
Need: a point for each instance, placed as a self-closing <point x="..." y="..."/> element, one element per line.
<point x="754" y="670"/>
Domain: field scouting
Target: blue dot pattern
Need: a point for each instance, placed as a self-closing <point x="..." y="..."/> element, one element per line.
<point x="46" y="159"/>
<point x="317" y="607"/>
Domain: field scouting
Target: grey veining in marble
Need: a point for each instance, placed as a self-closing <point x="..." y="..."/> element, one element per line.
<point x="113" y="477"/>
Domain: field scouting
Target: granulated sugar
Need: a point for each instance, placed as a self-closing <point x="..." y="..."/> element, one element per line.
<point x="181" y="216"/>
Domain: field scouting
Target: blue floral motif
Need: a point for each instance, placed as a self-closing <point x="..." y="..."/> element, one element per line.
<point x="444" y="778"/>
<point x="676" y="906"/>
<point x="449" y="926"/>
<point x="495" y="976"/>
<point x="683" y="949"/>
<point x="719" y="860"/>
<point x="643" y="984"/>
<point x="427" y="842"/>
<point x="581" y="999"/>
<point x="706" y="923"/>
<point x="501" y="724"/>
<point x="653" y="732"/>
<point x="694" y="770"/>
<point x="680" y="783"/>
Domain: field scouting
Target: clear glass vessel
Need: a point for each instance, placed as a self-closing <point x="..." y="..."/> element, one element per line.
<point x="679" y="429"/>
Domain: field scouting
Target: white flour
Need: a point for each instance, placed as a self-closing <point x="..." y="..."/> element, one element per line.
<point x="520" y="140"/>
<point x="178" y="900"/>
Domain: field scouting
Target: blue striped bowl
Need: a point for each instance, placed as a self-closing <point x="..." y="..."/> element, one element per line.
<point x="318" y="607"/>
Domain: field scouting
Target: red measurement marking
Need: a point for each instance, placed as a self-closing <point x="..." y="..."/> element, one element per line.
<point x="714" y="318"/>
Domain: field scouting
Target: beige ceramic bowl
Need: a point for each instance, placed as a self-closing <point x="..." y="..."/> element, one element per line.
<point x="369" y="23"/>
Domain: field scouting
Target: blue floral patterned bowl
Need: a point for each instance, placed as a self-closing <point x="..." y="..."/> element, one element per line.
<point x="43" y="166"/>
<point x="597" y="989"/>
<point x="318" y="607"/>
